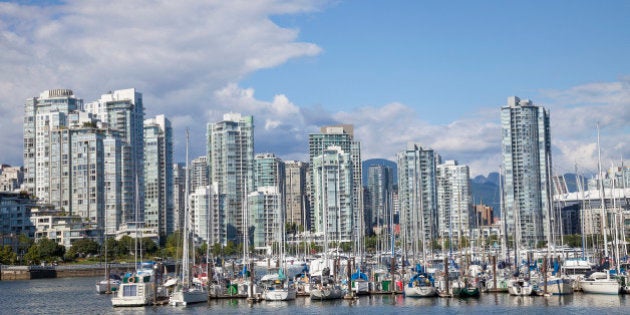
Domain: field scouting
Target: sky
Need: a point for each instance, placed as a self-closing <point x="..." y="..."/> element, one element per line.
<point x="434" y="73"/>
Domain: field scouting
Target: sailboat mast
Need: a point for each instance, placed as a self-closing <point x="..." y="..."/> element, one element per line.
<point x="185" y="249"/>
<point x="601" y="191"/>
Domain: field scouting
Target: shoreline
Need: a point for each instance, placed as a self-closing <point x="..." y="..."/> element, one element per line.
<point x="10" y="273"/>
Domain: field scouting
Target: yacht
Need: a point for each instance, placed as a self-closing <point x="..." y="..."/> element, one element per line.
<point x="139" y="288"/>
<point x="600" y="283"/>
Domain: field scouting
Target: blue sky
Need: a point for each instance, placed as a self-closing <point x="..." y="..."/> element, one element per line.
<point x="448" y="57"/>
<point x="430" y="72"/>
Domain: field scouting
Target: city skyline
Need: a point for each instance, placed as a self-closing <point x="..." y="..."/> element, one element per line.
<point x="428" y="73"/>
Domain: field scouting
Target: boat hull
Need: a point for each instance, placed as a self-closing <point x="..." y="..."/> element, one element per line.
<point x="426" y="291"/>
<point x="610" y="287"/>
<point x="326" y="294"/>
<point x="560" y="286"/>
<point x="520" y="287"/>
<point x="131" y="294"/>
<point x="101" y="287"/>
<point x="184" y="298"/>
<point x="280" y="295"/>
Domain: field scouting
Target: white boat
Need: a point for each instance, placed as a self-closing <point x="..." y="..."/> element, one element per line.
<point x="600" y="283"/>
<point x="559" y="285"/>
<point x="139" y="288"/>
<point x="323" y="287"/>
<point x="520" y="287"/>
<point x="190" y="295"/>
<point x="420" y="286"/>
<point x="327" y="292"/>
<point x="278" y="288"/>
<point x="108" y="285"/>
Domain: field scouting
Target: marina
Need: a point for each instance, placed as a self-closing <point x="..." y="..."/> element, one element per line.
<point x="77" y="296"/>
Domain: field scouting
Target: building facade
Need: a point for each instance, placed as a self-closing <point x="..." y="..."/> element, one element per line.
<point x="379" y="189"/>
<point x="230" y="153"/>
<point x="454" y="200"/>
<point x="342" y="137"/>
<point x="526" y="151"/>
<point x="122" y="111"/>
<point x="158" y="175"/>
<point x="333" y="180"/>
<point x="417" y="194"/>
<point x="296" y="198"/>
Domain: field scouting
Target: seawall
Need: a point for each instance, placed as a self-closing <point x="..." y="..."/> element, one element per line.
<point x="40" y="272"/>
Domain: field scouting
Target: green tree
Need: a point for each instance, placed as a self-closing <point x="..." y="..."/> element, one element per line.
<point x="7" y="256"/>
<point x="149" y="246"/>
<point x="173" y="245"/>
<point x="126" y="246"/>
<point x="82" y="248"/>
<point x="44" y="250"/>
<point x="50" y="250"/>
<point x="370" y="243"/>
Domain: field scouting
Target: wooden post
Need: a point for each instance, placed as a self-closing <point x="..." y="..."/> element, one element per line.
<point x="494" y="272"/>
<point x="251" y="279"/>
<point x="109" y="287"/>
<point x="545" y="274"/>
<point x="448" y="292"/>
<point x="392" y="271"/>
<point x="349" y="273"/>
<point x="155" y="282"/>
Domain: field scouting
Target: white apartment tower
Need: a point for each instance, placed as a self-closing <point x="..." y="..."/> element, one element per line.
<point x="454" y="201"/>
<point x="526" y="148"/>
<point x="158" y="175"/>
<point x="123" y="111"/>
<point x="417" y="194"/>
<point x="342" y="137"/>
<point x="230" y="152"/>
<point x="333" y="181"/>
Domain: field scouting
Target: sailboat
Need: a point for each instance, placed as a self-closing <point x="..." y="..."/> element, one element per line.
<point x="110" y="282"/>
<point x="600" y="282"/>
<point x="188" y="291"/>
<point x="421" y="284"/>
<point x="141" y="287"/>
<point x="277" y="287"/>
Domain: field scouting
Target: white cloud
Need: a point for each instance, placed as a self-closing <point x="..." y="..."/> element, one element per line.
<point x="187" y="57"/>
<point x="175" y="52"/>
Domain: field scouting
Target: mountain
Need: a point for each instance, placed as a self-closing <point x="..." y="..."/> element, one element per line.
<point x="486" y="190"/>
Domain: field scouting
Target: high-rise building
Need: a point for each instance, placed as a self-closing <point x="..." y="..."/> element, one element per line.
<point x="199" y="176"/>
<point x="379" y="189"/>
<point x="158" y="175"/>
<point x="266" y="217"/>
<point x="417" y="194"/>
<point x="526" y="149"/>
<point x="269" y="170"/>
<point x="230" y="150"/>
<point x="202" y="214"/>
<point x="342" y="137"/>
<point x="296" y="199"/>
<point x="41" y="115"/>
<point x="123" y="112"/>
<point x="454" y="201"/>
<point x="333" y="180"/>
<point x="179" y="190"/>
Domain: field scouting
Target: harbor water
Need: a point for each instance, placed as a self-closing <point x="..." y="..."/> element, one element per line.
<point x="78" y="296"/>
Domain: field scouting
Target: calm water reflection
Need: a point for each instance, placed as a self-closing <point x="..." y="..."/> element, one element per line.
<point x="77" y="296"/>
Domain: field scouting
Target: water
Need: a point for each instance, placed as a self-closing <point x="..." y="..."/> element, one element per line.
<point x="77" y="296"/>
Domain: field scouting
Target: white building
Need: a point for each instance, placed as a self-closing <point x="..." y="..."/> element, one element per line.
<point x="454" y="200"/>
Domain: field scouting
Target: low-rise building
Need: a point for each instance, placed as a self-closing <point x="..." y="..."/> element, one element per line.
<point x="61" y="227"/>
